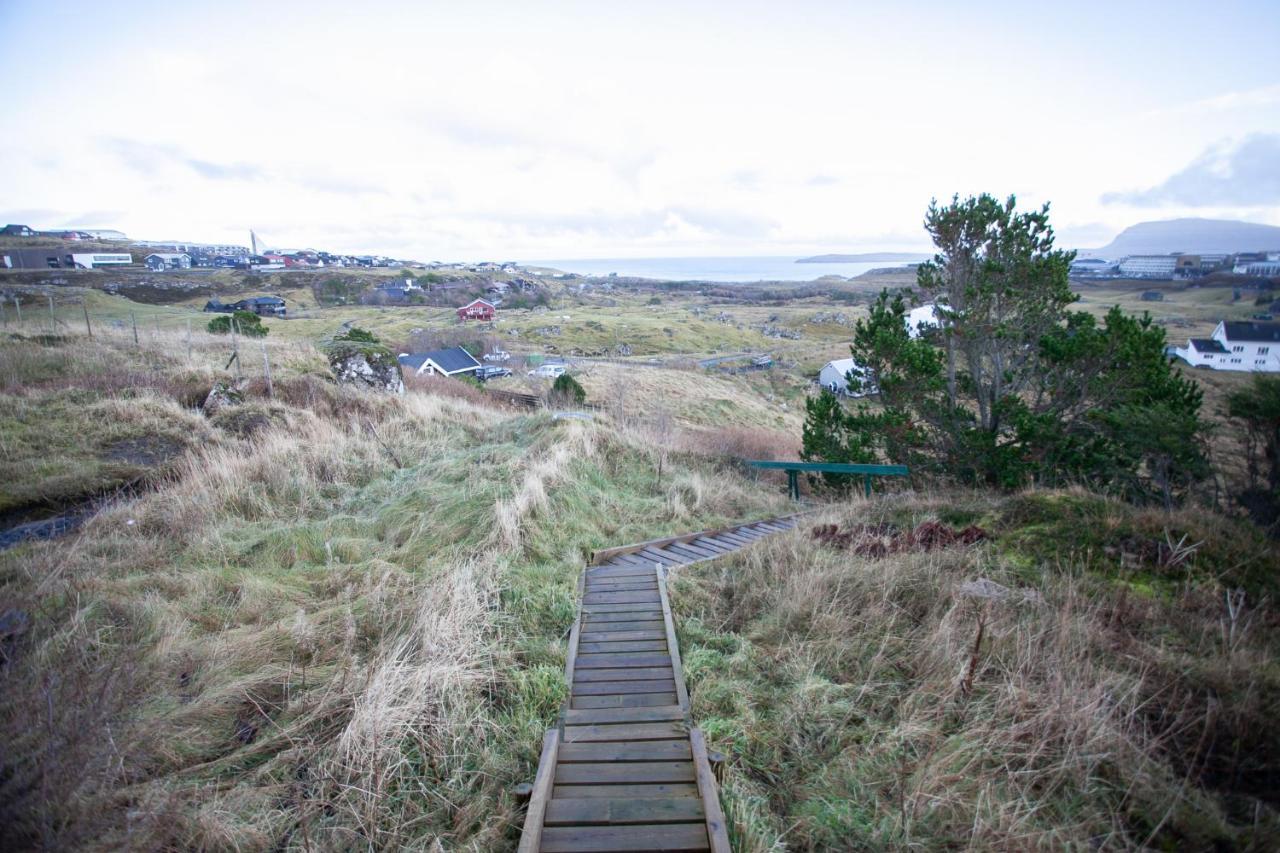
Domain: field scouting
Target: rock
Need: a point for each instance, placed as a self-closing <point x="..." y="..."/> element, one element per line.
<point x="223" y="395"/>
<point x="366" y="365"/>
<point x="989" y="589"/>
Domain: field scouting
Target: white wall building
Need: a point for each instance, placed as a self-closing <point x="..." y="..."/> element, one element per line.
<point x="924" y="317"/>
<point x="1149" y="266"/>
<point x="96" y="260"/>
<point x="1244" y="346"/>
<point x="834" y="377"/>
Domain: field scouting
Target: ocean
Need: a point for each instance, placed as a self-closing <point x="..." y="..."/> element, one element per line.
<point x="712" y="269"/>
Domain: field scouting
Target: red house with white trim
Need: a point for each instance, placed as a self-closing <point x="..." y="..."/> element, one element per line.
<point x="477" y="310"/>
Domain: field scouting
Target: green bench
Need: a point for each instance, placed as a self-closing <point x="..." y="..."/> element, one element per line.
<point x="793" y="470"/>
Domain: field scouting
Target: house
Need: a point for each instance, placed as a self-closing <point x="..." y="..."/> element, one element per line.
<point x="834" y="377"/>
<point x="1149" y="266"/>
<point x="157" y="261"/>
<point x="266" y="306"/>
<point x="17" y="231"/>
<point x="104" y="234"/>
<point x="216" y="305"/>
<point x="477" y="309"/>
<point x="1246" y="345"/>
<point x="922" y="318"/>
<point x="1152" y="296"/>
<point x="94" y="260"/>
<point x="441" y="362"/>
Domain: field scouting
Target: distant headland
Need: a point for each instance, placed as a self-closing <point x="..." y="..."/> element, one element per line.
<point x="867" y="257"/>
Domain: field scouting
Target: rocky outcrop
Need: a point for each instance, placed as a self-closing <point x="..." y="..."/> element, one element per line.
<point x="223" y="395"/>
<point x="366" y="365"/>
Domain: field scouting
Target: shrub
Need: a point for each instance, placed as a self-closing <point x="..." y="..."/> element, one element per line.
<point x="567" y="388"/>
<point x="246" y="323"/>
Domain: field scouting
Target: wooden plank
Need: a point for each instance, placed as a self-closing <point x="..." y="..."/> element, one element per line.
<point x="657" y="645"/>
<point x="648" y="623"/>
<point x="635" y="792"/>
<point x="599" y="688"/>
<point x="633" y="560"/>
<point x="735" y="540"/>
<point x="673" y="646"/>
<point x="607" y="839"/>
<point x="623" y="715"/>
<point x="575" y="634"/>
<point x="609" y="554"/>
<point x="624" y="572"/>
<point x="629" y="732"/>
<point x="626" y="751"/>
<point x="664" y="559"/>
<point x="630" y="607"/>
<point x="531" y="836"/>
<point x="623" y="700"/>
<point x="729" y="547"/>
<point x="717" y="831"/>
<point x="631" y="773"/>
<point x="712" y="545"/>
<point x="627" y="673"/>
<point x="623" y="810"/>
<point x="611" y="636"/>
<point x="611" y="660"/>
<point x="644" y="597"/>
<point x="690" y="552"/>
<point x="679" y="559"/>
<point x="626" y="585"/>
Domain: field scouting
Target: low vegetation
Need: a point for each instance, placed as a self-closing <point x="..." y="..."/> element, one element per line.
<point x="1086" y="675"/>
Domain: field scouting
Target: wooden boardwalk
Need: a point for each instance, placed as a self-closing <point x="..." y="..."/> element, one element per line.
<point x="625" y="769"/>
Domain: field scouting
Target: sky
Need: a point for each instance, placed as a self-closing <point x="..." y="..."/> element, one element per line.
<point x="533" y="130"/>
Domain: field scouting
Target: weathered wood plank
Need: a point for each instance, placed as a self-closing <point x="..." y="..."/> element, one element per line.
<point x="531" y="836"/>
<point x="609" y="636"/>
<point x="600" y="688"/>
<point x="717" y="831"/>
<point x="644" y="597"/>
<point x="607" y="839"/>
<point x="631" y="773"/>
<point x="633" y="607"/>
<point x="623" y="700"/>
<point x="637" y="792"/>
<point x="629" y="732"/>
<point x="623" y="646"/>
<point x="626" y="751"/>
<point x="636" y="585"/>
<point x="627" y="673"/>
<point x="649" y="623"/>
<point x="623" y="810"/>
<point x="659" y="557"/>
<point x="673" y="646"/>
<point x="611" y="660"/>
<point x="623" y="715"/>
<point x="688" y="553"/>
<point x="711" y="545"/>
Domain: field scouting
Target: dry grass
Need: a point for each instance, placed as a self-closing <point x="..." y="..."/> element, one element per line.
<point x="336" y="621"/>
<point x="871" y="704"/>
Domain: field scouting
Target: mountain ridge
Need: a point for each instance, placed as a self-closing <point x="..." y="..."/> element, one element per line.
<point x="1189" y="235"/>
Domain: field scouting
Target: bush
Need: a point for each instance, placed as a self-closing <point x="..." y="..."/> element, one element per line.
<point x="567" y="388"/>
<point x="247" y="323"/>
<point x="359" y="335"/>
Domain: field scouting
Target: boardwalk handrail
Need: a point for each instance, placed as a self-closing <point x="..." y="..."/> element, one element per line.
<point x="793" y="470"/>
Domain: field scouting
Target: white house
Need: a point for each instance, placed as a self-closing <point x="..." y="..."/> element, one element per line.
<point x="441" y="362"/>
<point x="924" y="317"/>
<point x="1149" y="266"/>
<point x="1236" y="346"/>
<point x="94" y="260"/>
<point x="834" y="376"/>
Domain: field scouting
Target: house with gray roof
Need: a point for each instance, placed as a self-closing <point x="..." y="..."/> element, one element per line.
<point x="1243" y="345"/>
<point x="442" y="362"/>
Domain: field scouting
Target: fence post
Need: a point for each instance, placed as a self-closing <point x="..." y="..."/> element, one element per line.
<point x="4" y="315"/>
<point x="266" y="366"/>
<point x="867" y="479"/>
<point x="53" y="321"/>
<point x="18" y="304"/>
<point x="188" y="339"/>
<point x="133" y="318"/>
<point x="235" y="345"/>
<point x="87" y="327"/>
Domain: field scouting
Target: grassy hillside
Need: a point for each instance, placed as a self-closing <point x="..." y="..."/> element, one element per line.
<point x="337" y="620"/>
<point x="1087" y="676"/>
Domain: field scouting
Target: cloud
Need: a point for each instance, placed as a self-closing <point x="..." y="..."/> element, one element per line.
<point x="224" y="171"/>
<point x="822" y="181"/>
<point x="1263" y="96"/>
<point x="148" y="158"/>
<point x="1244" y="175"/>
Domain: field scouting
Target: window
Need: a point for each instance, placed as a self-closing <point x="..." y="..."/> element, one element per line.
<point x="1237" y="349"/>
<point x="1235" y="361"/>
<point x="1263" y="350"/>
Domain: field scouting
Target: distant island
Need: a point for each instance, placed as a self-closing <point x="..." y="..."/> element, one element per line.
<point x="877" y="257"/>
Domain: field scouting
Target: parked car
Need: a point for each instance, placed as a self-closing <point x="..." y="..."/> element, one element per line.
<point x="491" y="371"/>
<point x="497" y="355"/>
<point x="548" y="371"/>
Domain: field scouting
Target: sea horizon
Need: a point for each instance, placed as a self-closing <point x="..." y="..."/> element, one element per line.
<point x="745" y="268"/>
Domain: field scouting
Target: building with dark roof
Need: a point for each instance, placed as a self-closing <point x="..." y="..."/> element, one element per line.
<point x="1236" y="345"/>
<point x="441" y="362"/>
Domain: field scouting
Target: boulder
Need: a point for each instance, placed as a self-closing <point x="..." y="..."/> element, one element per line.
<point x="366" y="365"/>
<point x="223" y="395"/>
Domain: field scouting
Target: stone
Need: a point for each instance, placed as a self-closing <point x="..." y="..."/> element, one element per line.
<point x="366" y="365"/>
<point x="223" y="395"/>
